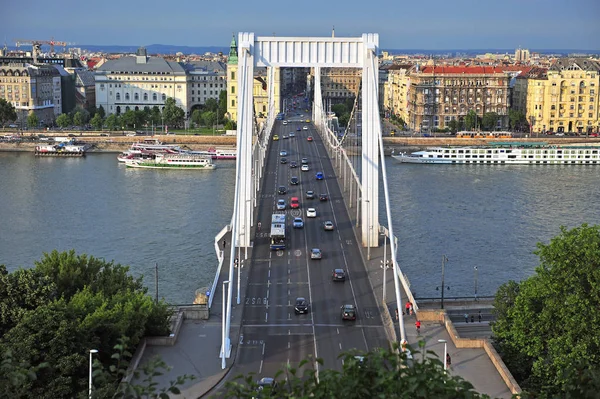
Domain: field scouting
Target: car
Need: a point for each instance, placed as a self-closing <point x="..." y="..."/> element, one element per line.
<point x="348" y="312"/>
<point x="283" y="153"/>
<point x="103" y="134"/>
<point x="328" y="225"/>
<point x="305" y="168"/>
<point x="338" y="275"/>
<point x="294" y="180"/>
<point x="275" y="137"/>
<point x="316" y="253"/>
<point x="323" y="197"/>
<point x="309" y="138"/>
<point x="281" y="190"/>
<point x="298" y="223"/>
<point x="301" y="306"/>
<point x="593" y="134"/>
<point x="310" y="194"/>
<point x="285" y="122"/>
<point x="298" y="129"/>
<point x="319" y="176"/>
<point x="294" y="203"/>
<point x="292" y="134"/>
<point x="293" y="164"/>
<point x="308" y="121"/>
<point x="560" y="134"/>
<point x="284" y="137"/>
<point x="304" y="161"/>
<point x="304" y="127"/>
<point x="283" y="160"/>
<point x="71" y="135"/>
<point x="280" y="205"/>
<point x="311" y="213"/>
<point x="267" y="384"/>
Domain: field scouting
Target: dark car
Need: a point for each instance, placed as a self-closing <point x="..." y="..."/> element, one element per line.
<point x="301" y="306"/>
<point x="283" y="160"/>
<point x="293" y="164"/>
<point x="348" y="312"/>
<point x="298" y="129"/>
<point x="294" y="180"/>
<point x="323" y="197"/>
<point x="281" y="190"/>
<point x="338" y="275"/>
<point x="310" y="194"/>
<point x="267" y="384"/>
<point x="319" y="176"/>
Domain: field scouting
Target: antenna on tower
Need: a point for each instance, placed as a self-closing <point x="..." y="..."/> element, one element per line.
<point x="333" y="31"/>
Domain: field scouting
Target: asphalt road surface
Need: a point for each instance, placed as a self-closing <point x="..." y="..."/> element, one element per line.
<point x="272" y="335"/>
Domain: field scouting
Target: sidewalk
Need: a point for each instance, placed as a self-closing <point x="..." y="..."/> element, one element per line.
<point x="196" y="351"/>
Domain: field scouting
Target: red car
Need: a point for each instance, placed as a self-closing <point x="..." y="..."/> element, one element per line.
<point x="309" y="138"/>
<point x="294" y="203"/>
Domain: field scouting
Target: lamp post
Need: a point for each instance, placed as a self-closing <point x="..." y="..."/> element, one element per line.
<point x="385" y="263"/>
<point x="476" y="273"/>
<point x="444" y="260"/>
<point x="92" y="351"/>
<point x="239" y="264"/>
<point x="443" y="341"/>
<point x="223" y="333"/>
<point x="368" y="230"/>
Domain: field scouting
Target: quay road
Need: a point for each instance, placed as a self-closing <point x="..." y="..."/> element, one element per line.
<point x="272" y="335"/>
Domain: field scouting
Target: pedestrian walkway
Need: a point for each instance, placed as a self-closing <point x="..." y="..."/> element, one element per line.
<point x="473" y="365"/>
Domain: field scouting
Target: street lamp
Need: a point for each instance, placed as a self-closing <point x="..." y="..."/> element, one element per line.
<point x="92" y="351"/>
<point x="443" y="341"/>
<point x="384" y="263"/>
<point x="223" y="333"/>
<point x="368" y="231"/>
<point x="444" y="260"/>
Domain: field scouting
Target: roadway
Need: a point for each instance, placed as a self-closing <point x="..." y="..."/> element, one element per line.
<point x="272" y="335"/>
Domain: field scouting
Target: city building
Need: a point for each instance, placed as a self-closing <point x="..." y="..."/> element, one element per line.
<point x="205" y="80"/>
<point x="338" y="84"/>
<point x="32" y="89"/>
<point x="259" y="89"/>
<point x="136" y="82"/>
<point x="395" y="91"/>
<point x="565" y="99"/>
<point x="439" y="94"/>
<point x="522" y="55"/>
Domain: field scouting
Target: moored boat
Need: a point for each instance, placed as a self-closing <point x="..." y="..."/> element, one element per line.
<point x="173" y="161"/>
<point x="60" y="150"/>
<point x="506" y="153"/>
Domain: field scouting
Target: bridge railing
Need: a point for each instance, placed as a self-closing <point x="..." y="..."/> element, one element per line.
<point x="220" y="257"/>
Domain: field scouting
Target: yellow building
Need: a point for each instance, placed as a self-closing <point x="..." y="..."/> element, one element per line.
<point x="564" y="100"/>
<point x="260" y="88"/>
<point x="395" y="90"/>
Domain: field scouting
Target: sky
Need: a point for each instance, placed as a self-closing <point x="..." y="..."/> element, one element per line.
<point x="401" y="24"/>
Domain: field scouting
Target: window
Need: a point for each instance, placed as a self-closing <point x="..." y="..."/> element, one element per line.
<point x="118" y="95"/>
<point x="164" y="97"/>
<point x="232" y="89"/>
<point x="154" y="97"/>
<point x="136" y="97"/>
<point x="232" y="75"/>
<point x="145" y="96"/>
<point x="126" y="96"/>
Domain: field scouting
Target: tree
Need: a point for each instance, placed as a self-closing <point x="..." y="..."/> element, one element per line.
<point x="211" y="105"/>
<point x="63" y="120"/>
<point x="78" y="119"/>
<point x="471" y="120"/>
<point x="209" y="118"/>
<point x="97" y="121"/>
<point x="32" y="121"/>
<point x="377" y="374"/>
<point x="454" y="125"/>
<point x="516" y="119"/>
<point x="155" y="116"/>
<point x="197" y="117"/>
<point x="550" y="324"/>
<point x="490" y="121"/>
<point x="230" y="125"/>
<point x="222" y="105"/>
<point x="172" y="114"/>
<point x="102" y="112"/>
<point x="111" y="122"/>
<point x="7" y="112"/>
<point x="128" y="119"/>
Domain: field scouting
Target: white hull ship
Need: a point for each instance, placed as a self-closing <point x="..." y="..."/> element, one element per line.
<point x="60" y="150"/>
<point x="506" y="153"/>
<point x="173" y="161"/>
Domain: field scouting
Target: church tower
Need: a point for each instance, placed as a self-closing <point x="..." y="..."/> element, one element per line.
<point x="232" y="80"/>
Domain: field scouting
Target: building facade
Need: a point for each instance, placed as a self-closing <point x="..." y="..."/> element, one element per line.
<point x="133" y="83"/>
<point x="32" y="89"/>
<point x="205" y="80"/>
<point x="395" y="91"/>
<point x="438" y="94"/>
<point x="260" y="88"/>
<point x="565" y="99"/>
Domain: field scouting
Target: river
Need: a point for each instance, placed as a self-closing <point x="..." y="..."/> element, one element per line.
<point x="477" y="215"/>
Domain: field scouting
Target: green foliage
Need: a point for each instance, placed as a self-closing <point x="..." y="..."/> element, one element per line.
<point x="211" y="105"/>
<point x="490" y="121"/>
<point x="63" y="120"/>
<point x="172" y="114"/>
<point x="471" y="120"/>
<point x="380" y="374"/>
<point x="32" y="120"/>
<point x="97" y="121"/>
<point x="67" y="304"/>
<point x="78" y="118"/>
<point x="128" y="119"/>
<point x="7" y="112"/>
<point x="548" y="326"/>
<point x="15" y="376"/>
<point x="102" y="112"/>
<point x="197" y="117"/>
<point x="454" y="125"/>
<point x="111" y="122"/>
<point x="155" y="116"/>
<point x="209" y="118"/>
<point x="230" y="125"/>
<point x="222" y="105"/>
<point x="516" y="119"/>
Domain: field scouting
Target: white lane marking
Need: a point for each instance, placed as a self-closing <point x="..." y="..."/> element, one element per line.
<point x="269" y="273"/>
<point x="289" y="345"/>
<point x="263" y="350"/>
<point x="340" y="346"/>
<point x="260" y="368"/>
<point x="266" y="317"/>
<point x="338" y="330"/>
<point x="267" y="294"/>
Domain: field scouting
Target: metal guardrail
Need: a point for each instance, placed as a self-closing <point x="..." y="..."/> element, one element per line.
<point x="221" y="258"/>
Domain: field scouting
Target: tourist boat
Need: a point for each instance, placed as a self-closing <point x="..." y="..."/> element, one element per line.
<point x="173" y="161"/>
<point x="217" y="153"/>
<point x="506" y="153"/>
<point x="61" y="150"/>
<point x="147" y="149"/>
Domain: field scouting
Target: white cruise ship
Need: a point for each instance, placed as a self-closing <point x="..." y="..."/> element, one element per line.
<point x="506" y="153"/>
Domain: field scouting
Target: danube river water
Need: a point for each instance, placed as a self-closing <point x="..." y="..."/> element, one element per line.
<point x="486" y="216"/>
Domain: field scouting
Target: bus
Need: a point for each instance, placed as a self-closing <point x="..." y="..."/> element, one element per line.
<point x="278" y="231"/>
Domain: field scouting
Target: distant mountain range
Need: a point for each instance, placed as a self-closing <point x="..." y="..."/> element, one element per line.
<point x="173" y="49"/>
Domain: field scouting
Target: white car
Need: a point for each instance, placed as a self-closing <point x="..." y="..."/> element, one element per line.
<point x="283" y="153"/>
<point x="328" y="225"/>
<point x="285" y="122"/>
<point x="305" y="128"/>
<point x="316" y="253"/>
<point x="281" y="205"/>
<point x="311" y="213"/>
<point x="304" y="168"/>
<point x="292" y="134"/>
